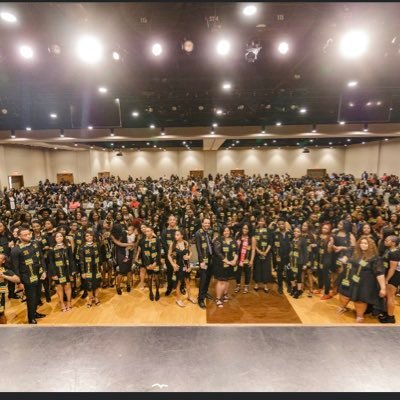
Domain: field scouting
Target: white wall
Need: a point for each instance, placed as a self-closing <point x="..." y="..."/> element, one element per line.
<point x="39" y="164"/>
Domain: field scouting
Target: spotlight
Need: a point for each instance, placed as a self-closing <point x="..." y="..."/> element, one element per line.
<point x="90" y="127"/>
<point x="8" y="17"/>
<point x="330" y="143"/>
<point x="12" y="134"/>
<point x="187" y="46"/>
<point x="26" y="52"/>
<point x="342" y="122"/>
<point x="53" y="116"/>
<point x="365" y="128"/>
<point x="4" y="111"/>
<point x="89" y="50"/>
<point x="378" y="103"/>
<point x="274" y="141"/>
<point x="250" y="10"/>
<point x="102" y="89"/>
<point x="212" y="131"/>
<point x="349" y="140"/>
<point x="135" y="114"/>
<point x="278" y="124"/>
<point x="223" y="47"/>
<point x="214" y="125"/>
<point x="352" y="84"/>
<point x="91" y="147"/>
<point x="226" y="86"/>
<point x="303" y="110"/>
<point x="363" y="143"/>
<point x="28" y="128"/>
<point x="314" y="128"/>
<point x="283" y="47"/>
<point x="156" y="49"/>
<point x="116" y="56"/>
<point x="76" y="144"/>
<point x="152" y="126"/>
<point x="237" y="141"/>
<point x="351" y="104"/>
<point x="252" y="50"/>
<point x="218" y="112"/>
<point x="386" y="139"/>
<point x="353" y="44"/>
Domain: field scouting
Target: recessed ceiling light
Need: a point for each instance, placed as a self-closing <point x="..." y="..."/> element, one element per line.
<point x="156" y="49"/>
<point x="283" y="47"/>
<point x="112" y="144"/>
<point x="352" y="84"/>
<point x="263" y="131"/>
<point x="342" y="122"/>
<point x="26" y="52"/>
<point x="214" y="125"/>
<point x="351" y="104"/>
<point x="53" y="115"/>
<point x="123" y="146"/>
<point x="115" y="56"/>
<point x="55" y="148"/>
<point x="90" y="127"/>
<point x="378" y="103"/>
<point x="223" y="47"/>
<point x="278" y="123"/>
<point x="89" y="50"/>
<point x="274" y="141"/>
<point x="386" y="139"/>
<point x="349" y="140"/>
<point x="8" y="17"/>
<point x="219" y="112"/>
<point x="103" y="89"/>
<point x="76" y="144"/>
<point x="330" y="142"/>
<point x="249" y="10"/>
<point x="237" y="141"/>
<point x="303" y="110"/>
<point x="226" y="86"/>
<point x="91" y="147"/>
<point x="152" y="126"/>
<point x="353" y="44"/>
<point x="363" y="143"/>
<point x="28" y="128"/>
<point x="135" y="114"/>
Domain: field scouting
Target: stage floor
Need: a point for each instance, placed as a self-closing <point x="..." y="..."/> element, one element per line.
<point x="207" y="358"/>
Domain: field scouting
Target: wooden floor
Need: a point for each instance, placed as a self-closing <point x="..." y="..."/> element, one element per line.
<point x="135" y="308"/>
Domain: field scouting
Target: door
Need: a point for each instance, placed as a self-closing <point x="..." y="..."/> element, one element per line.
<point x="103" y="174"/>
<point x="197" y="174"/>
<point x="16" y="181"/>
<point x="237" y="172"/>
<point x="65" y="178"/>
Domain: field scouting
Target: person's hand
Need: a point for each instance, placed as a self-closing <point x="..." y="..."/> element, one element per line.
<point x="55" y="278"/>
<point x="176" y="268"/>
<point x="83" y="276"/>
<point x="43" y="277"/>
<point x="251" y="264"/>
<point x="344" y="259"/>
<point x="203" y="265"/>
<point x="11" y="244"/>
<point x="382" y="293"/>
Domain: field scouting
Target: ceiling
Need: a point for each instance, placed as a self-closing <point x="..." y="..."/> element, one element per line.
<point x="179" y="92"/>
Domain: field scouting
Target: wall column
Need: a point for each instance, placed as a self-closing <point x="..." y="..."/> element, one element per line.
<point x="210" y="162"/>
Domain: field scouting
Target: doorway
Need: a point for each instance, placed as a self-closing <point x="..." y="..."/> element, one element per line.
<point x="316" y="173"/>
<point x="237" y="172"/>
<point x="66" y="178"/>
<point x="197" y="174"/>
<point x="16" y="181"/>
<point x="103" y="174"/>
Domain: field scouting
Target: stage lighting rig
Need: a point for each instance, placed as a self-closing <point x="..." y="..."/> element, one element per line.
<point x="252" y="50"/>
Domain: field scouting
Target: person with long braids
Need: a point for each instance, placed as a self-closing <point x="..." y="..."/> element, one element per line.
<point x="179" y="254"/>
<point x="363" y="279"/>
<point x="225" y="264"/>
<point x="61" y="269"/>
<point x="262" y="259"/>
<point x="324" y="258"/>
<point x="391" y="263"/>
<point x="149" y="251"/>
<point x="298" y="262"/>
<point x="90" y="267"/>
<point x="246" y="251"/>
<point x="343" y="245"/>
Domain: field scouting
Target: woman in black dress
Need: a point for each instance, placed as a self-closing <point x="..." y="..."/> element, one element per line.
<point x="363" y="279"/>
<point x="246" y="251"/>
<point x="179" y="254"/>
<point x="262" y="260"/>
<point x="90" y="267"/>
<point x="149" y="251"/>
<point x="391" y="263"/>
<point x="310" y="266"/>
<point x="124" y="265"/>
<point x="343" y="245"/>
<point x="62" y="269"/>
<point x="225" y="264"/>
<point x="6" y="275"/>
<point x="324" y="258"/>
<point x="298" y="262"/>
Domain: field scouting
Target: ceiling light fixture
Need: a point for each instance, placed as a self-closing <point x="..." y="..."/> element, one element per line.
<point x="156" y="49"/>
<point x="102" y="89"/>
<point x="89" y="50"/>
<point x="365" y="128"/>
<point x="8" y="17"/>
<point x="135" y="114"/>
<point x="26" y="52"/>
<point x="352" y="84"/>
<point x="353" y="44"/>
<point x="249" y="10"/>
<point x="283" y="48"/>
<point x="223" y="47"/>
<point x="28" y="128"/>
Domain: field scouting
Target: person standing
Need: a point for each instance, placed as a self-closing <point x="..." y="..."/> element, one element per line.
<point x="28" y="264"/>
<point x="6" y="275"/>
<point x="204" y="249"/>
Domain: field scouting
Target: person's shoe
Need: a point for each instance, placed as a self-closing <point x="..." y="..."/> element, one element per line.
<point x="202" y="304"/>
<point x="38" y="315"/>
<point x="119" y="291"/>
<point x="128" y="288"/>
<point x="183" y="290"/>
<point x="33" y="322"/>
<point x="309" y="294"/>
<point x="73" y="294"/>
<point x="157" y="295"/>
<point x="293" y="291"/>
<point x="84" y="295"/>
<point x="266" y="290"/>
<point x="168" y="292"/>
<point x="48" y="300"/>
<point x="326" y="297"/>
<point x="237" y="289"/>
<point x="180" y="303"/>
<point x="209" y="297"/>
<point x="151" y="296"/>
<point x="297" y="294"/>
<point x="280" y="290"/>
<point x="14" y="296"/>
<point x="388" y="319"/>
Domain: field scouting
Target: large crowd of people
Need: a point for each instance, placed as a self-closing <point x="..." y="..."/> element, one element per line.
<point x="326" y="237"/>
